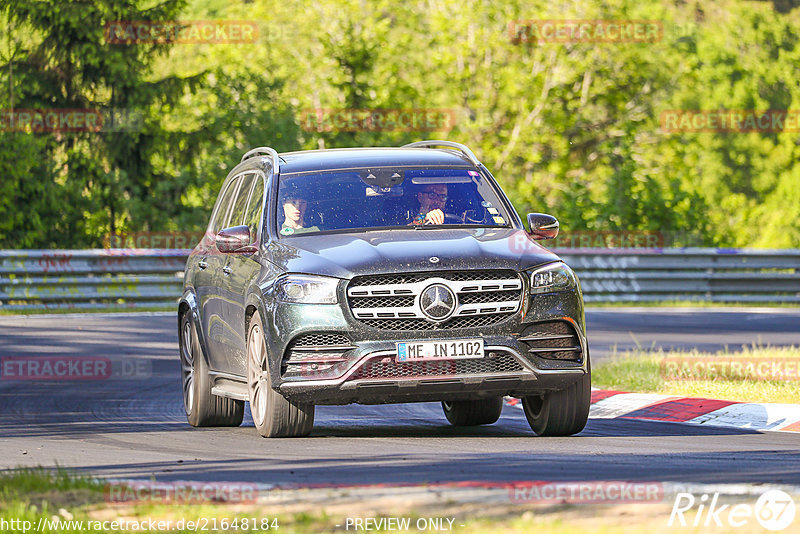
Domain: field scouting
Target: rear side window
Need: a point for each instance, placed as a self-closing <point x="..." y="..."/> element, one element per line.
<point x="240" y="204"/>
<point x="223" y="207"/>
<point x="253" y="214"/>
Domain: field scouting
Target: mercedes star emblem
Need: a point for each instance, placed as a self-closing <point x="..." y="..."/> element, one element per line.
<point x="438" y="302"/>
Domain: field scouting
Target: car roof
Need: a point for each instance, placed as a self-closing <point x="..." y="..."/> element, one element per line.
<point x="351" y="158"/>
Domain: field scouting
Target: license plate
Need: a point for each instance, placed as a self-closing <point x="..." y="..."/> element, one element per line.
<point x="457" y="349"/>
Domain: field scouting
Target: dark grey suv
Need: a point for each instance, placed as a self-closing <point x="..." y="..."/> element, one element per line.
<point x="378" y="275"/>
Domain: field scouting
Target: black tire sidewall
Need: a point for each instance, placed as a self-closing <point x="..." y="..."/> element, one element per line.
<point x="208" y="409"/>
<point x="473" y="412"/>
<point x="200" y="381"/>
<point x="542" y="422"/>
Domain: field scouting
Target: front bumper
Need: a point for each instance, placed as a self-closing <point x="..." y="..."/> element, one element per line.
<point x="508" y="368"/>
<point x="435" y="387"/>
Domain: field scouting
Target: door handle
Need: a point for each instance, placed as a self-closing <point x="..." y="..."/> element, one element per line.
<point x="202" y="264"/>
<point x="227" y="269"/>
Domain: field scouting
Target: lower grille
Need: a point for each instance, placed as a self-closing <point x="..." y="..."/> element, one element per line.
<point x="319" y="355"/>
<point x="387" y="368"/>
<point x="322" y="339"/>
<point x="552" y="340"/>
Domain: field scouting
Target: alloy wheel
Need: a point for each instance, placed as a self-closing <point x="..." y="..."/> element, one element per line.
<point x="256" y="369"/>
<point x="187" y="365"/>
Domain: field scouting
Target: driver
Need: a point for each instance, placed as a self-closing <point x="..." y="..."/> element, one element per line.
<point x="432" y="200"/>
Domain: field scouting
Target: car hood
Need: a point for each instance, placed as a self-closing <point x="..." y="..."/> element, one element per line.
<point x="404" y="250"/>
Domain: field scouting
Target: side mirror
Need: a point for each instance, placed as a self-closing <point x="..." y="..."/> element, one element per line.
<point x="542" y="226"/>
<point x="234" y="239"/>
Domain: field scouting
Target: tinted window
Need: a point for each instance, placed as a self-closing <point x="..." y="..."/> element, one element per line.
<point x="223" y="207"/>
<point x="253" y="214"/>
<point x="386" y="197"/>
<point x="242" y="196"/>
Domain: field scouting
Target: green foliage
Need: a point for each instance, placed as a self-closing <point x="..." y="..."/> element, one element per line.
<point x="568" y="128"/>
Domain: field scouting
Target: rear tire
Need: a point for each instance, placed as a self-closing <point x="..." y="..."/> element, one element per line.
<point x="202" y="407"/>
<point x="473" y="412"/>
<point x="273" y="414"/>
<point x="560" y="413"/>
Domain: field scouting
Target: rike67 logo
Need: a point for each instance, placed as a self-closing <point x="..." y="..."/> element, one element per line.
<point x="774" y="510"/>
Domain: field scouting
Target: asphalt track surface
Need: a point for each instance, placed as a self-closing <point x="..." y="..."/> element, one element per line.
<point x="134" y="427"/>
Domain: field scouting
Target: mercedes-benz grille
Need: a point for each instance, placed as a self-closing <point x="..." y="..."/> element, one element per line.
<point x="433" y="300"/>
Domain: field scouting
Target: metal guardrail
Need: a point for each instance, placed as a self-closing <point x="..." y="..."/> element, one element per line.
<point x="87" y="279"/>
<point x="693" y="274"/>
<point x="137" y="278"/>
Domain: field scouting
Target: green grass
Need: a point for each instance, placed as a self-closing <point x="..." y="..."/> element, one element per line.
<point x="32" y="494"/>
<point x="27" y="481"/>
<point x="28" y="494"/>
<point x="647" y="372"/>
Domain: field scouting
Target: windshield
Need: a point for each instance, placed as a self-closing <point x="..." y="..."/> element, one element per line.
<point x="384" y="197"/>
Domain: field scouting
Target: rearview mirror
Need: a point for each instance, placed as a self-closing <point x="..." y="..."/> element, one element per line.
<point x="234" y="239"/>
<point x="542" y="226"/>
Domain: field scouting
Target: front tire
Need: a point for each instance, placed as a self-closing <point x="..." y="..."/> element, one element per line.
<point x="202" y="407"/>
<point x="273" y="414"/>
<point x="473" y="412"/>
<point x="560" y="413"/>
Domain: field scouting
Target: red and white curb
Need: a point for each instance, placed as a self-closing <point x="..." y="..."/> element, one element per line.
<point x="609" y="404"/>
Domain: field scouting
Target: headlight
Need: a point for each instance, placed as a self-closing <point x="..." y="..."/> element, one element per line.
<point x="307" y="289"/>
<point x="553" y="277"/>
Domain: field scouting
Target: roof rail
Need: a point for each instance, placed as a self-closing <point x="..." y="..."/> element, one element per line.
<point x="265" y="151"/>
<point x="449" y="144"/>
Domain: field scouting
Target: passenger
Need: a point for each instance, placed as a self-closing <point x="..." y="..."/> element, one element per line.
<point x="432" y="200"/>
<point x="294" y="211"/>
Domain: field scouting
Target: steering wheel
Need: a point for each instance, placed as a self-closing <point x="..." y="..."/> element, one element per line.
<point x="448" y="218"/>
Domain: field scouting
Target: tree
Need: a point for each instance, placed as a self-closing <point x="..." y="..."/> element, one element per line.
<point x="69" y="64"/>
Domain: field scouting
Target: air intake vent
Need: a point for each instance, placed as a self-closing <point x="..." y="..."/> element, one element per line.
<point x="553" y="340"/>
<point x="318" y="355"/>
